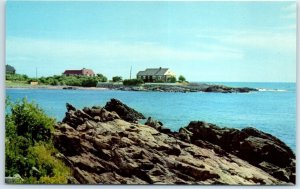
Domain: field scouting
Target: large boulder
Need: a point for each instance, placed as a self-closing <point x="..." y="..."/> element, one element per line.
<point x="125" y="112"/>
<point x="258" y="148"/>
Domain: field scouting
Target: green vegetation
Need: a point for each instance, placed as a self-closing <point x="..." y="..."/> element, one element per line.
<point x="172" y="79"/>
<point x="16" y="77"/>
<point x="82" y="81"/>
<point x="181" y="79"/>
<point x="117" y="79"/>
<point x="29" y="150"/>
<point x="133" y="82"/>
<point x="10" y="69"/>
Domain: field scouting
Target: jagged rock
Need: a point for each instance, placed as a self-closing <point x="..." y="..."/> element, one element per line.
<point x="250" y="144"/>
<point x="120" y="152"/>
<point x="157" y="125"/>
<point x="77" y="118"/>
<point x="125" y="112"/>
<point x="70" y="107"/>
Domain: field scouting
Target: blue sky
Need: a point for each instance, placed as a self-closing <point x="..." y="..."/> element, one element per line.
<point x="204" y="41"/>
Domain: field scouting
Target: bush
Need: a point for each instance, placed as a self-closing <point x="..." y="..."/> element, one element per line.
<point x="29" y="151"/>
<point x="16" y="77"/>
<point x="117" y="79"/>
<point x="51" y="169"/>
<point x="101" y="78"/>
<point x="72" y="80"/>
<point x="89" y="82"/>
<point x="181" y="78"/>
<point x="172" y="79"/>
<point x="31" y="121"/>
<point x="132" y="82"/>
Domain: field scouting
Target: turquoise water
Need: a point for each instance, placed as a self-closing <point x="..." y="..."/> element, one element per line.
<point x="272" y="110"/>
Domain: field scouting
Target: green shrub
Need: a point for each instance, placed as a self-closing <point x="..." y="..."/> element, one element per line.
<point x="54" y="82"/>
<point x="29" y="151"/>
<point x="117" y="79"/>
<point x="31" y="121"/>
<point x="16" y="77"/>
<point x="72" y="80"/>
<point x="89" y="82"/>
<point x="51" y="169"/>
<point x="181" y="78"/>
<point x="172" y="79"/>
<point x="133" y="82"/>
<point x="101" y="78"/>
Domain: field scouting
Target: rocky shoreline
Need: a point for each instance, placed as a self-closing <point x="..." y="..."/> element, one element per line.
<point x="190" y="87"/>
<point x="107" y="145"/>
<point x="158" y="87"/>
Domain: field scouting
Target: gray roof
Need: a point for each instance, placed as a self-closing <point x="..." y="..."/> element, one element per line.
<point x="153" y="71"/>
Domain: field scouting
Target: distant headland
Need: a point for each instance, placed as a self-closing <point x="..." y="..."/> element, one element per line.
<point x="151" y="79"/>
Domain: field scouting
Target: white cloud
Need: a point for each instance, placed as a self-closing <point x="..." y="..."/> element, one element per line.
<point x="285" y="43"/>
<point x="111" y="51"/>
<point x="267" y="41"/>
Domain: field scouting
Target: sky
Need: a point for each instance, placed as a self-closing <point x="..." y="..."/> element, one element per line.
<point x="204" y="41"/>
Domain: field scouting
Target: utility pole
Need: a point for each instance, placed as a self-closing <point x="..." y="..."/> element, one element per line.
<point x="130" y="72"/>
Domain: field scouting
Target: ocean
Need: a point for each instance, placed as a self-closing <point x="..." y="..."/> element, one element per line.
<point x="272" y="109"/>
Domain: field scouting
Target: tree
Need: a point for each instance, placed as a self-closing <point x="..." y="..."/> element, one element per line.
<point x="117" y="79"/>
<point x="172" y="79"/>
<point x="181" y="78"/>
<point x="10" y="69"/>
<point x="101" y="78"/>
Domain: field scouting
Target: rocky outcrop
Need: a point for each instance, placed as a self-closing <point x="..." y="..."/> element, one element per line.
<point x="225" y="89"/>
<point x="157" y="125"/>
<point x="102" y="147"/>
<point x="258" y="148"/>
<point x="125" y="112"/>
<point x="183" y="88"/>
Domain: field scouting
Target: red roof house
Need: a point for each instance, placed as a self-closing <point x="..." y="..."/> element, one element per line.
<point x="85" y="72"/>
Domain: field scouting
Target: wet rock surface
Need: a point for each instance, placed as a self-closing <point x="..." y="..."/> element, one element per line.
<point x="102" y="145"/>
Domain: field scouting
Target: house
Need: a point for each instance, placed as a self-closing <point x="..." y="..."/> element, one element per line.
<point x="34" y="83"/>
<point x="85" y="72"/>
<point x="155" y="75"/>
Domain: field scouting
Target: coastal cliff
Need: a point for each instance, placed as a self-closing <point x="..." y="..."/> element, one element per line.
<point x="107" y="145"/>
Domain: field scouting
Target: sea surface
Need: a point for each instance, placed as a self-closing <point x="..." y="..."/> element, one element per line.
<point x="272" y="109"/>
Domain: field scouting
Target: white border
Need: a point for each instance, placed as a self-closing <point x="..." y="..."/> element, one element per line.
<point x="2" y="122"/>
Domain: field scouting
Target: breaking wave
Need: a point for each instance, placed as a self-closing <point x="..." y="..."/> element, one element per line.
<point x="272" y="90"/>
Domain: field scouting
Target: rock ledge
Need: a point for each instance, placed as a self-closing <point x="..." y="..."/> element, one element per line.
<point x="107" y="146"/>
